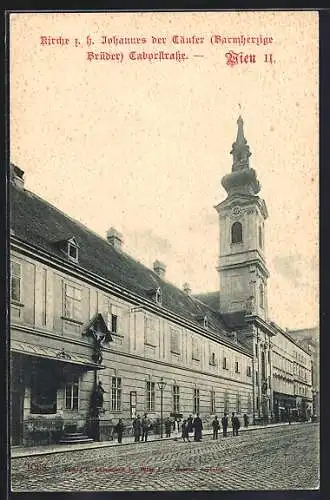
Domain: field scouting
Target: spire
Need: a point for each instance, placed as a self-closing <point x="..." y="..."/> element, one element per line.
<point x="240" y="149"/>
<point x="242" y="178"/>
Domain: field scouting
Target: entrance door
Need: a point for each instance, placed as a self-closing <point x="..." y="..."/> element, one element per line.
<point x="16" y="417"/>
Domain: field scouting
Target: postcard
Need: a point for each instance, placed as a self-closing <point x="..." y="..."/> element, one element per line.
<point x="164" y="328"/>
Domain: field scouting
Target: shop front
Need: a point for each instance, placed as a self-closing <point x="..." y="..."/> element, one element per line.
<point x="50" y="393"/>
<point x="284" y="407"/>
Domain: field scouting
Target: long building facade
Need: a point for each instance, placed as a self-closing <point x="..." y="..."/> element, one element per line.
<point x="83" y="312"/>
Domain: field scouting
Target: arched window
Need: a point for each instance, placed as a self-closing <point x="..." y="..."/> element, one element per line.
<point x="236" y="232"/>
<point x="262" y="296"/>
<point x="260" y="237"/>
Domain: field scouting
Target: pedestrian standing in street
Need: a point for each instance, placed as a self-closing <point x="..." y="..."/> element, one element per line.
<point x="119" y="429"/>
<point x="137" y="429"/>
<point x="216" y="427"/>
<point x="224" y="422"/>
<point x="235" y="424"/>
<point x="190" y="424"/>
<point x="145" y="427"/>
<point x="198" y="427"/>
<point x="246" y="420"/>
<point x="168" y="425"/>
<point x="184" y="429"/>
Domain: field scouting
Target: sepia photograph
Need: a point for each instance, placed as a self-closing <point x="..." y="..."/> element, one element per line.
<point x="164" y="254"/>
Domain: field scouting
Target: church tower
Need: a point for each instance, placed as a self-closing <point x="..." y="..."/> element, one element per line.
<point x="242" y="266"/>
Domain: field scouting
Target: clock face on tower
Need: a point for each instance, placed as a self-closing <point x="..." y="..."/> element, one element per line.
<point x="236" y="211"/>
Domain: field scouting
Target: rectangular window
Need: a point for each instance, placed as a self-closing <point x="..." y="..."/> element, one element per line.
<point x="236" y="367"/>
<point x="114" y="323"/>
<point x="248" y="371"/>
<point x="16" y="282"/>
<point x="238" y="402"/>
<point x="196" y="401"/>
<point x="212" y="359"/>
<point x="175" y="342"/>
<point x="225" y="367"/>
<point x="150" y="331"/>
<point x="195" y="350"/>
<point x="226" y="402"/>
<point x="72" y="395"/>
<point x="116" y="394"/>
<point x="256" y="349"/>
<point x="44" y="299"/>
<point x="72" y="302"/>
<point x="112" y="316"/>
<point x="257" y="402"/>
<point x="213" y="401"/>
<point x="257" y="378"/>
<point x="176" y="399"/>
<point x="150" y="390"/>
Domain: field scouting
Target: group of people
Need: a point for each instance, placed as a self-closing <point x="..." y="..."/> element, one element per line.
<point x="141" y="427"/>
<point x="190" y="425"/>
<point x="235" y="423"/>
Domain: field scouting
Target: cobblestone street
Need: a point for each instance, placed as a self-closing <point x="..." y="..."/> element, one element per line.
<point x="283" y="457"/>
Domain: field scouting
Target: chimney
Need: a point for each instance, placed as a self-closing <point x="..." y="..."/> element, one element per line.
<point x="16" y="176"/>
<point x="187" y="288"/>
<point x="159" y="268"/>
<point x="115" y="238"/>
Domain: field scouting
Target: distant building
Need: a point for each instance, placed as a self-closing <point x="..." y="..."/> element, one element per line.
<point x="84" y="311"/>
<point x="309" y="338"/>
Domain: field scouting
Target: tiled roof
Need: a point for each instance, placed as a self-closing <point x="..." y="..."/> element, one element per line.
<point x="211" y="299"/>
<point x="42" y="225"/>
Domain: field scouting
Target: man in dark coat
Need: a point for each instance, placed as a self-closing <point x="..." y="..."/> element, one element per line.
<point x="216" y="427"/>
<point x="198" y="427"/>
<point x="168" y="425"/>
<point x="145" y="427"/>
<point x="235" y="424"/>
<point x="137" y="429"/>
<point x="119" y="428"/>
<point x="224" y="422"/>
<point x="190" y="424"/>
<point x="184" y="429"/>
<point x="246" y="420"/>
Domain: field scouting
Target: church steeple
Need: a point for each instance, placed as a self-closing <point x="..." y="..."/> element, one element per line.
<point x="242" y="265"/>
<point x="242" y="179"/>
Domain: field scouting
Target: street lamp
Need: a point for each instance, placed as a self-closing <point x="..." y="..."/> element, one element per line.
<point x="161" y="385"/>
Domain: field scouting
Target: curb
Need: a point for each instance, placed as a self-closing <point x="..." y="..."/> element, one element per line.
<point x="108" y="444"/>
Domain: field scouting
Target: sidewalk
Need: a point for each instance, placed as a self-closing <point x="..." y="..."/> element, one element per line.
<point x="19" y="452"/>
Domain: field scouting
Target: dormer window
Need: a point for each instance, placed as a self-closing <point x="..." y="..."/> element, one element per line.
<point x="72" y="247"/>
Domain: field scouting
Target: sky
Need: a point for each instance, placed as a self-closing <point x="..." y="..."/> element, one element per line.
<point x="142" y="145"/>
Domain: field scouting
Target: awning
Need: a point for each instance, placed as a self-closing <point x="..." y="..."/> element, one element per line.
<point x="61" y="356"/>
